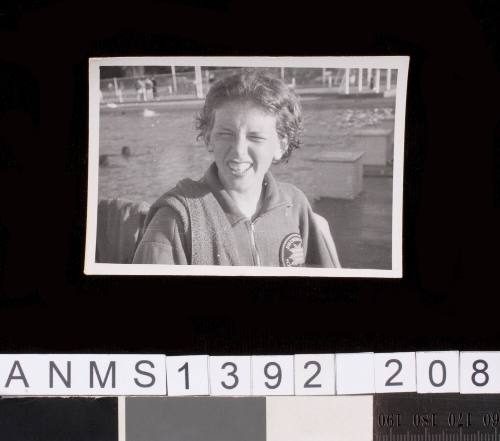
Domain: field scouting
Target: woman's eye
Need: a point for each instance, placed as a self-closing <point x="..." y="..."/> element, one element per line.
<point x="224" y="134"/>
<point x="257" y="138"/>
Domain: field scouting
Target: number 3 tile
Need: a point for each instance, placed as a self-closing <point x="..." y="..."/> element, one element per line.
<point x="230" y="375"/>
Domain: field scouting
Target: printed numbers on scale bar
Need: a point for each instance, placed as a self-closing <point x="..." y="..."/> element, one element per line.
<point x="273" y="375"/>
<point x="480" y="372"/>
<point x="187" y="375"/>
<point x="362" y="373"/>
<point x="395" y="372"/>
<point x="230" y="375"/>
<point x="437" y="372"/>
<point x="314" y="374"/>
<point x="441" y="364"/>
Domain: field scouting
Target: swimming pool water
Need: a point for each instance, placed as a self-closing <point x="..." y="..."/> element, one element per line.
<point x="164" y="147"/>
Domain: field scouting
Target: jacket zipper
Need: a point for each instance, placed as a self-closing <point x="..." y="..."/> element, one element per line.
<point x="252" y="233"/>
<point x="254" y="246"/>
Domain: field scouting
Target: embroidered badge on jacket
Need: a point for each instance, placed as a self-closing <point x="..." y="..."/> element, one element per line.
<point x="292" y="251"/>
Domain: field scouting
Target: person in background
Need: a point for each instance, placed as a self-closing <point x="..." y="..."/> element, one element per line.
<point x="148" y="88"/>
<point x="154" y="86"/>
<point x="140" y="89"/>
<point x="237" y="213"/>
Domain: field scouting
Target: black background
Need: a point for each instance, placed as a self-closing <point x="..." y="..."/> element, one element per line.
<point x="447" y="297"/>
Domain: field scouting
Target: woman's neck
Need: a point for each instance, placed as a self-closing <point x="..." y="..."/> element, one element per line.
<point x="249" y="203"/>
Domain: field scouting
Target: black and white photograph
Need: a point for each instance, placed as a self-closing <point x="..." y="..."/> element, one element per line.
<point x="233" y="221"/>
<point x="247" y="166"/>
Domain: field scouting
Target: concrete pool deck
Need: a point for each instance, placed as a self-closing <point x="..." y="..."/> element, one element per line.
<point x="362" y="228"/>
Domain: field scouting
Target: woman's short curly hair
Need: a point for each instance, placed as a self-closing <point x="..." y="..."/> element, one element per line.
<point x="265" y="90"/>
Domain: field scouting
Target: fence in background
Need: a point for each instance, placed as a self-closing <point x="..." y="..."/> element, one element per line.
<point x="184" y="85"/>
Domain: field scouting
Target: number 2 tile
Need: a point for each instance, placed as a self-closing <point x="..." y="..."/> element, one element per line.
<point x="395" y="372"/>
<point x="315" y="374"/>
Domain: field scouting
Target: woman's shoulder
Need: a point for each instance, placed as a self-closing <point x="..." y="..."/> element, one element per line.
<point x="169" y="210"/>
<point x="175" y="203"/>
<point x="293" y="193"/>
<point x="185" y="189"/>
<point x="176" y="196"/>
<point x="164" y="224"/>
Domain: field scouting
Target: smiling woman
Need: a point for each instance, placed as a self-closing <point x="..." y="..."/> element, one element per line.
<point x="244" y="142"/>
<point x="237" y="214"/>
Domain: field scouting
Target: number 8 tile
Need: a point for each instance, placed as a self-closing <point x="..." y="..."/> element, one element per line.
<point x="479" y="372"/>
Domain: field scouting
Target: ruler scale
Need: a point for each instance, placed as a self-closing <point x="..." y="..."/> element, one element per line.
<point x="443" y="417"/>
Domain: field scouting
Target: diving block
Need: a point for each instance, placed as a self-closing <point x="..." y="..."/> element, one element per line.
<point x="387" y="122"/>
<point x="338" y="174"/>
<point x="377" y="143"/>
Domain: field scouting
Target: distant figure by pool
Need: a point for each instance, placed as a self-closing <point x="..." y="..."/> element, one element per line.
<point x="103" y="160"/>
<point x="126" y="151"/>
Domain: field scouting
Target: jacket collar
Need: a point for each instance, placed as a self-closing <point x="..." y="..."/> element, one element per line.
<point x="274" y="197"/>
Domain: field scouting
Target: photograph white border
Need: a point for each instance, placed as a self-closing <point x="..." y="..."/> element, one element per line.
<point x="400" y="63"/>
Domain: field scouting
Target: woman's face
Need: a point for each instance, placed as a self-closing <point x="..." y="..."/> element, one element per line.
<point x="244" y="142"/>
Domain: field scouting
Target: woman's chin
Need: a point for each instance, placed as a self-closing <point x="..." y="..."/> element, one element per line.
<point x="241" y="184"/>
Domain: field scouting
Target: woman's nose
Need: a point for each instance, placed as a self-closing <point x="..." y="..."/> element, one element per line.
<point x="240" y="145"/>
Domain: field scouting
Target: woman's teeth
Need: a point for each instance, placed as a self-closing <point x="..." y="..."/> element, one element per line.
<point x="239" y="167"/>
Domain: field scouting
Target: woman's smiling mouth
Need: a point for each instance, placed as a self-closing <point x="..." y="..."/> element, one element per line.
<point x="239" y="168"/>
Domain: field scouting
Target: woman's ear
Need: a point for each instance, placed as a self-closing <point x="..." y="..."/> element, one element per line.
<point x="282" y="149"/>
<point x="206" y="139"/>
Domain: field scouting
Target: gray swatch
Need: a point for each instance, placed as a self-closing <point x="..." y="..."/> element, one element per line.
<point x="195" y="419"/>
